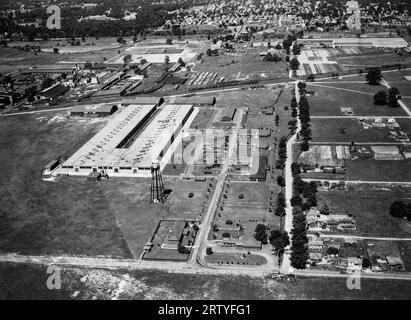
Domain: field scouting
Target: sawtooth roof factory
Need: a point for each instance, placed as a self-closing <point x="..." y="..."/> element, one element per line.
<point x="129" y="143"/>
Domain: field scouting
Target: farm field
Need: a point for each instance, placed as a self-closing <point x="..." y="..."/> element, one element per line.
<point x="326" y="99"/>
<point x="370" y="207"/>
<point x="346" y="130"/>
<point x="27" y="282"/>
<point x="379" y="170"/>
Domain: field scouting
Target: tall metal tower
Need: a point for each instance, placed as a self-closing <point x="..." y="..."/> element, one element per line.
<point x="157" y="187"/>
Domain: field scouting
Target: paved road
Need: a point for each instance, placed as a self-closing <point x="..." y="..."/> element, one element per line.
<point x="359" y="143"/>
<point x="288" y="221"/>
<point x="364" y="275"/>
<point x="358" y="117"/>
<point x="362" y="181"/>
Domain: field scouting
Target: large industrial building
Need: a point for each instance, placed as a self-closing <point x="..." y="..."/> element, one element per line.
<point x="130" y="142"/>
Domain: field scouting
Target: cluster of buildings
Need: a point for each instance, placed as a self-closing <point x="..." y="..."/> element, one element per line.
<point x="350" y="255"/>
<point x="317" y="222"/>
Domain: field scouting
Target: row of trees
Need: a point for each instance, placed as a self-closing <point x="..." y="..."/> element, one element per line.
<point x="299" y="248"/>
<point x="304" y="116"/>
<point x="304" y="193"/>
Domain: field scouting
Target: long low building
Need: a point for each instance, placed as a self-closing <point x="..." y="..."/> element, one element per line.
<point x="129" y="143"/>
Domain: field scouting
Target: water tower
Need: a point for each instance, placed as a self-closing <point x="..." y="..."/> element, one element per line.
<point x="157" y="187"/>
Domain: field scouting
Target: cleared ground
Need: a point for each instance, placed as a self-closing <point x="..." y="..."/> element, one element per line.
<point x="370" y="207"/>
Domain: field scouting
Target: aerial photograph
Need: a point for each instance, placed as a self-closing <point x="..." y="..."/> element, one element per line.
<point x="205" y="150"/>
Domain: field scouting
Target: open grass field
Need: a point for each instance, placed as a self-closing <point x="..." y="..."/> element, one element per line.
<point x="379" y="170"/>
<point x="29" y="282"/>
<point x="398" y="79"/>
<point x="38" y="217"/>
<point x="326" y="99"/>
<point x="13" y="60"/>
<point x="370" y="207"/>
<point x="241" y="66"/>
<point x="346" y="130"/>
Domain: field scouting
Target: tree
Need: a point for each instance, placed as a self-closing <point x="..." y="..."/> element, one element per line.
<point x="312" y="200"/>
<point x="380" y="98"/>
<point x="325" y="210"/>
<point x="183" y="250"/>
<point x="47" y="82"/>
<point x="281" y="181"/>
<point x="30" y="93"/>
<point x="260" y="233"/>
<point x="398" y="209"/>
<point x="366" y="263"/>
<point x="304" y="146"/>
<point x="127" y="58"/>
<point x="166" y="60"/>
<point x="393" y="96"/>
<point x="296" y="50"/>
<point x="294" y="64"/>
<point x="374" y="76"/>
<point x="181" y="62"/>
<point x="209" y="251"/>
<point x="295" y="168"/>
<point x="88" y="65"/>
<point x="56" y="50"/>
<point x="279" y="240"/>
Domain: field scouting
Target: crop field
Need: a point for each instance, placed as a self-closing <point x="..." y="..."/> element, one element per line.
<point x="379" y="170"/>
<point x="370" y="207"/>
<point x="27" y="282"/>
<point x="327" y="99"/>
<point x="347" y="130"/>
